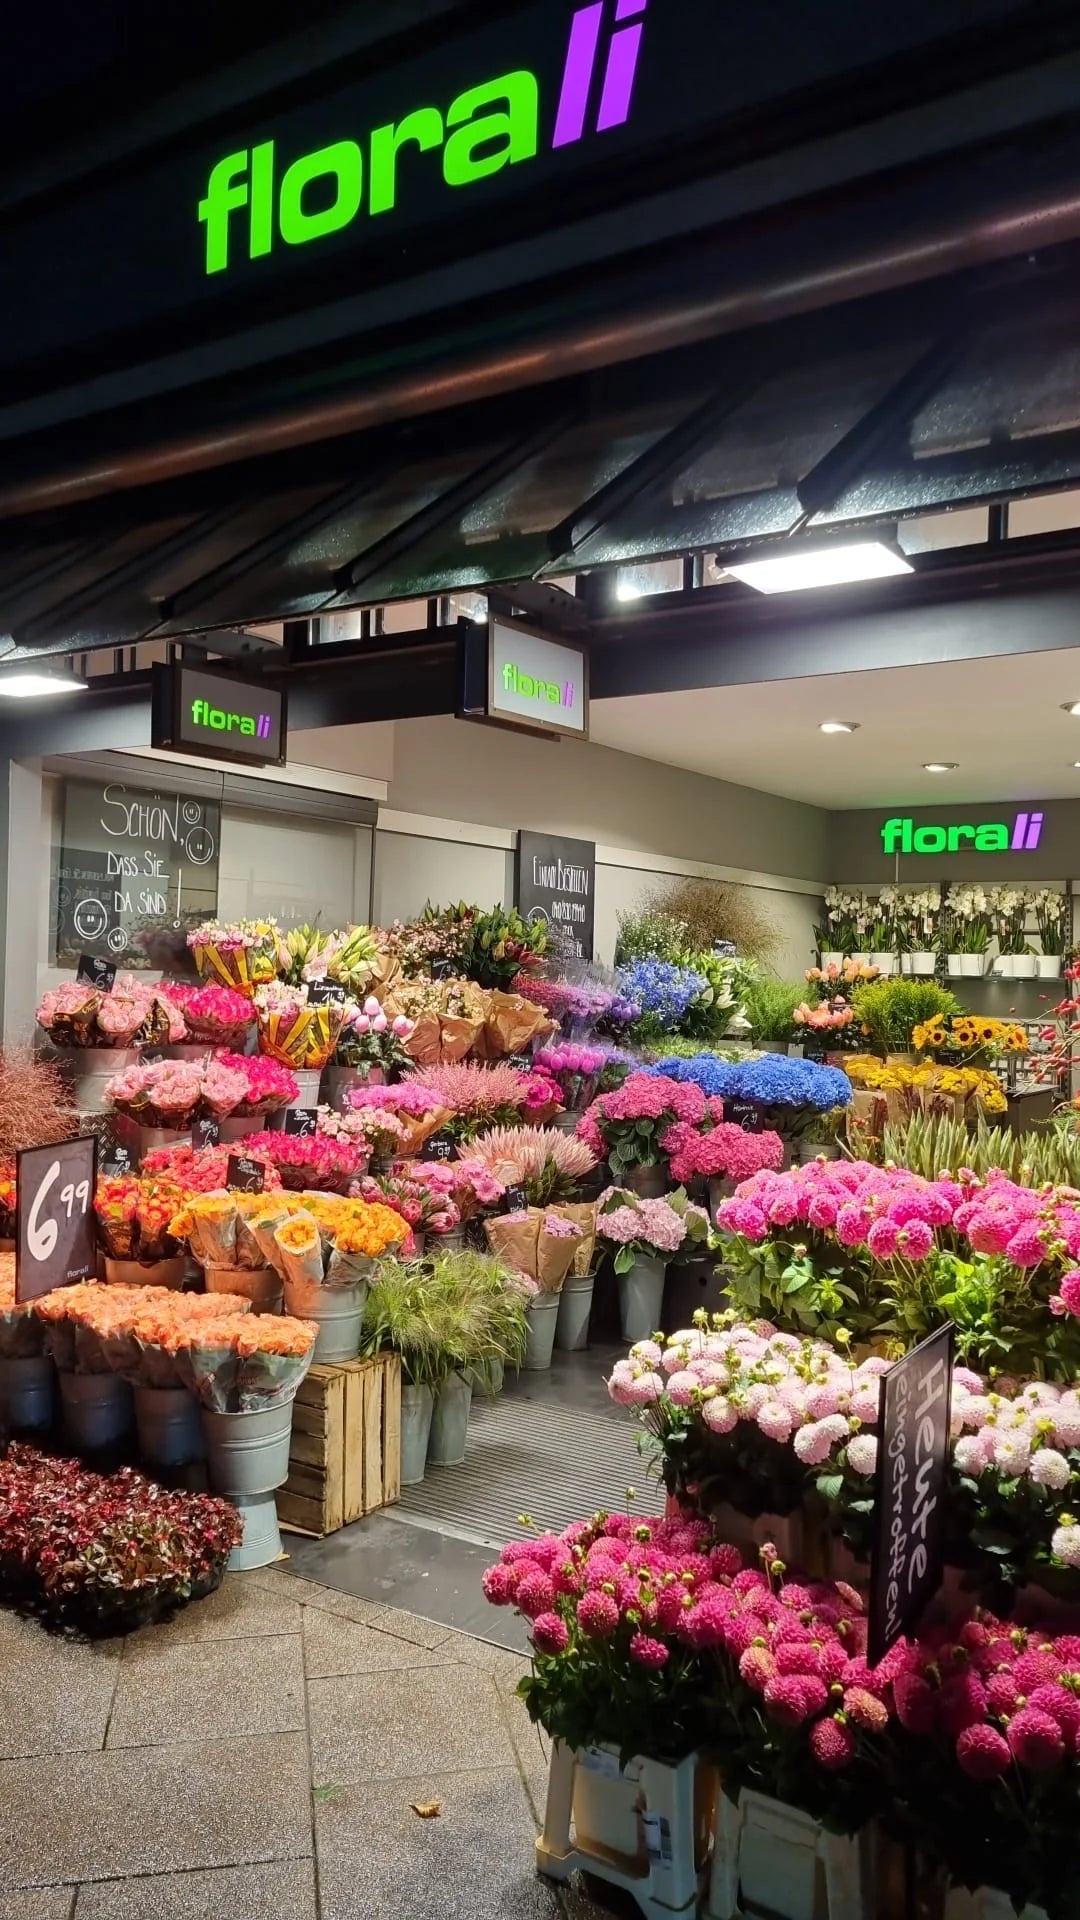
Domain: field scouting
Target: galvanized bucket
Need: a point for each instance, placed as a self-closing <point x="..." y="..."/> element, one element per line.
<point x="450" y="1422"/>
<point x="338" y="1084"/>
<point x="26" y="1393"/>
<point x="641" y="1297"/>
<point x="261" y="1285"/>
<point x="338" y="1312"/>
<point x="575" y="1306"/>
<point x="87" y="1071"/>
<point x="247" y="1453"/>
<point x="168" y="1425"/>
<point x="159" y="1273"/>
<point x="98" y="1408"/>
<point x="261" y="1544"/>
<point x="542" y="1317"/>
<point x="417" y="1407"/>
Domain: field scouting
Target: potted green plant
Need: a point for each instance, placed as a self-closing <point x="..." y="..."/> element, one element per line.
<point x="1009" y="910"/>
<point x="889" y="1011"/>
<point x="485" y="1326"/>
<point x="1049" y="907"/>
<point x="404" y="1315"/>
<point x="770" y="1010"/>
<point x="836" y="935"/>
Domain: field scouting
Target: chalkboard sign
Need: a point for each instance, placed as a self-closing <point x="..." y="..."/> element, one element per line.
<point x="555" y="884"/>
<point x="134" y="863"/>
<point x="746" y="1114"/>
<point x="244" y="1175"/>
<point x="55" y="1237"/>
<point x="907" y="1561"/>
<point x="205" y="1133"/>
<point x="515" y="1200"/>
<point x="522" y="1061"/>
<point x="301" y="1120"/>
<point x="95" y="972"/>
<point x="439" y="1147"/>
<point x="442" y="969"/>
<point x="117" y="1162"/>
<point x="325" y="993"/>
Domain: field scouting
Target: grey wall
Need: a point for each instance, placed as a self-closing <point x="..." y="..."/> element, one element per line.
<point x="856" y="856"/>
<point x="453" y="769"/>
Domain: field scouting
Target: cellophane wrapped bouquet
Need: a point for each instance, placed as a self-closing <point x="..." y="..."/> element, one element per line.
<point x="419" y="1112"/>
<point x="243" y="954"/>
<point x="175" y="1093"/>
<point x="133" y="1217"/>
<point x="294" y="1032"/>
<point x="133" y="1014"/>
<point x="322" y="1161"/>
<point x="318" y="1241"/>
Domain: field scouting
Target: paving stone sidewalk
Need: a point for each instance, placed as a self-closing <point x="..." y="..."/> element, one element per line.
<point x="259" y="1758"/>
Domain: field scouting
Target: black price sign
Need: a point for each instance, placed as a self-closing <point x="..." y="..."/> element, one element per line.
<point x="300" y="1120"/>
<point x="206" y="1133"/>
<point x="724" y="949"/>
<point x="439" y="1147"/>
<point x="55" y="1238"/>
<point x="117" y="1162"/>
<point x="522" y="1061"/>
<point x="745" y="1114"/>
<point x="442" y="969"/>
<point x="325" y="993"/>
<point x="515" y="1200"/>
<point x="244" y="1175"/>
<point x="908" y="1557"/>
<point x="94" y="972"/>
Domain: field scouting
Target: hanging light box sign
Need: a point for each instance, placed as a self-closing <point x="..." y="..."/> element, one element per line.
<point x="514" y="676"/>
<point x="217" y="716"/>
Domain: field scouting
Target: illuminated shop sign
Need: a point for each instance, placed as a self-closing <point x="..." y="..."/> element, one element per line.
<point x="494" y="124"/>
<point x="1020" y="835"/>
<point x="217" y="716"/>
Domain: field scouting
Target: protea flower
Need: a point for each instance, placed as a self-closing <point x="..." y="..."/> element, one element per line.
<point x="549" y="1164"/>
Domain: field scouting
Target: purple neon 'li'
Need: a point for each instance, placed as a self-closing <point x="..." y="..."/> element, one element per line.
<point x="621" y="68"/>
<point x="577" y="73"/>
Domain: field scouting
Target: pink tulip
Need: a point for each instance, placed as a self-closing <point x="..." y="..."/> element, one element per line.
<point x="402" y="1027"/>
<point x="379" y="1023"/>
<point x="371" y="1006"/>
<point x="362" y="1023"/>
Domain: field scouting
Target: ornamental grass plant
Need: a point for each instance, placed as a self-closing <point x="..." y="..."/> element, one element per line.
<point x="889" y="1011"/>
<point x="770" y="1007"/>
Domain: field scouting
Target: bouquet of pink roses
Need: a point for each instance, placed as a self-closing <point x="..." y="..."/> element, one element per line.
<point x="134" y="1014"/>
<point x="268" y="1085"/>
<point x="219" y="1015"/>
<point x="174" y="1093"/>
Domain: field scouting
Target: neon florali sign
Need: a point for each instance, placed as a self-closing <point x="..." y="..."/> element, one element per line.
<point x="491" y="125"/>
<point x="1020" y="835"/>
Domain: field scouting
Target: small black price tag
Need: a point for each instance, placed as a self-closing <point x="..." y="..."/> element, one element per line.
<point x="300" y="1119"/>
<point x="442" y="969"/>
<point x="116" y="1163"/>
<point x="522" y="1061"/>
<point x="325" y="993"/>
<point x="206" y="1133"/>
<point x="724" y="949"/>
<point x="439" y="1147"/>
<point x="244" y="1175"/>
<point x="55" y="1238"/>
<point x="745" y="1114"/>
<point x="94" y="972"/>
<point x="515" y="1200"/>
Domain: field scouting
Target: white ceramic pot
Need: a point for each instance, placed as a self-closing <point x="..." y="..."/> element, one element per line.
<point x="954" y="965"/>
<point x="864" y="959"/>
<point x="1003" y="967"/>
<point x="1048" y="966"/>
<point x="887" y="964"/>
<point x="972" y="966"/>
<point x="922" y="962"/>
<point x="1024" y="966"/>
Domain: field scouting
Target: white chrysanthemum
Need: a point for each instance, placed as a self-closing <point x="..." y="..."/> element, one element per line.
<point x="1050" y="1469"/>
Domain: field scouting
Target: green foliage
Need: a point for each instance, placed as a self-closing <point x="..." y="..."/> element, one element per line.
<point x="890" y="1010"/>
<point x="490" y="945"/>
<point x="650" y="932"/>
<point x="454" y="1311"/>
<point x="770" y="1007"/>
<point x="933" y="1143"/>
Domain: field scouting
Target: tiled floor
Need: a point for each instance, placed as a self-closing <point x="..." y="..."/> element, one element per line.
<point x="260" y="1758"/>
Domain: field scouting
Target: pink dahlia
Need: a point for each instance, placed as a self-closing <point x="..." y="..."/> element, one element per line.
<point x="982" y="1753"/>
<point x="550" y="1633"/>
<point x="598" y="1615"/>
<point x="648" y="1652"/>
<point x="535" y="1595"/>
<point x="793" y="1697"/>
<point x="832" y="1745"/>
<point x="1036" y="1740"/>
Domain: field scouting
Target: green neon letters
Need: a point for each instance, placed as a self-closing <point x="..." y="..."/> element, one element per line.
<point x="486" y="128"/>
<point x="901" y="835"/>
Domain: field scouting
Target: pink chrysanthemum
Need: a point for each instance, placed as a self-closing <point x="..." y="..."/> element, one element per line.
<point x="1036" y="1740"/>
<point x="832" y="1745"/>
<point x="535" y="1595"/>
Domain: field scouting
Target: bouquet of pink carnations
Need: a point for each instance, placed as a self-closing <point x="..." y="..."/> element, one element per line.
<point x="376" y="1131"/>
<point x="133" y="1014"/>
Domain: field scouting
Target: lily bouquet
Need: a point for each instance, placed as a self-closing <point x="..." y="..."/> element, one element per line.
<point x="240" y="953"/>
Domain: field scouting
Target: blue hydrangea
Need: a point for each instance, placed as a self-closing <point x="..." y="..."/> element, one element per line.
<point x="775" y="1080"/>
<point x="664" y="992"/>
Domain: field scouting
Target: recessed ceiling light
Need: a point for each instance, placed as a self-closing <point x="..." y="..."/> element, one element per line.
<point x="1071" y="706"/>
<point x="786" y="570"/>
<point x="34" y="686"/>
<point x="839" y="726"/>
<point x="940" y="766"/>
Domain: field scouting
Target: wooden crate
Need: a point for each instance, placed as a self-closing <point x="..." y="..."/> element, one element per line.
<point x="345" y="1458"/>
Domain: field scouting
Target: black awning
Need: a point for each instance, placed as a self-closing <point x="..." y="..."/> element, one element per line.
<point x="952" y="393"/>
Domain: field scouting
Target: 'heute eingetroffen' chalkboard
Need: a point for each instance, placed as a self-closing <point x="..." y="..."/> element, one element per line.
<point x="907" y="1561"/>
<point x="133" y="863"/>
<point x="556" y="884"/>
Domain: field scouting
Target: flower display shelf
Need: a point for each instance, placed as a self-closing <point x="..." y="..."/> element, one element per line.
<point x="644" y="1828"/>
<point x="771" y="1858"/>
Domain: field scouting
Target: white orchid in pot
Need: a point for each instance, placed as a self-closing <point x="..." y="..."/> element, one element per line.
<point x="970" y="928"/>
